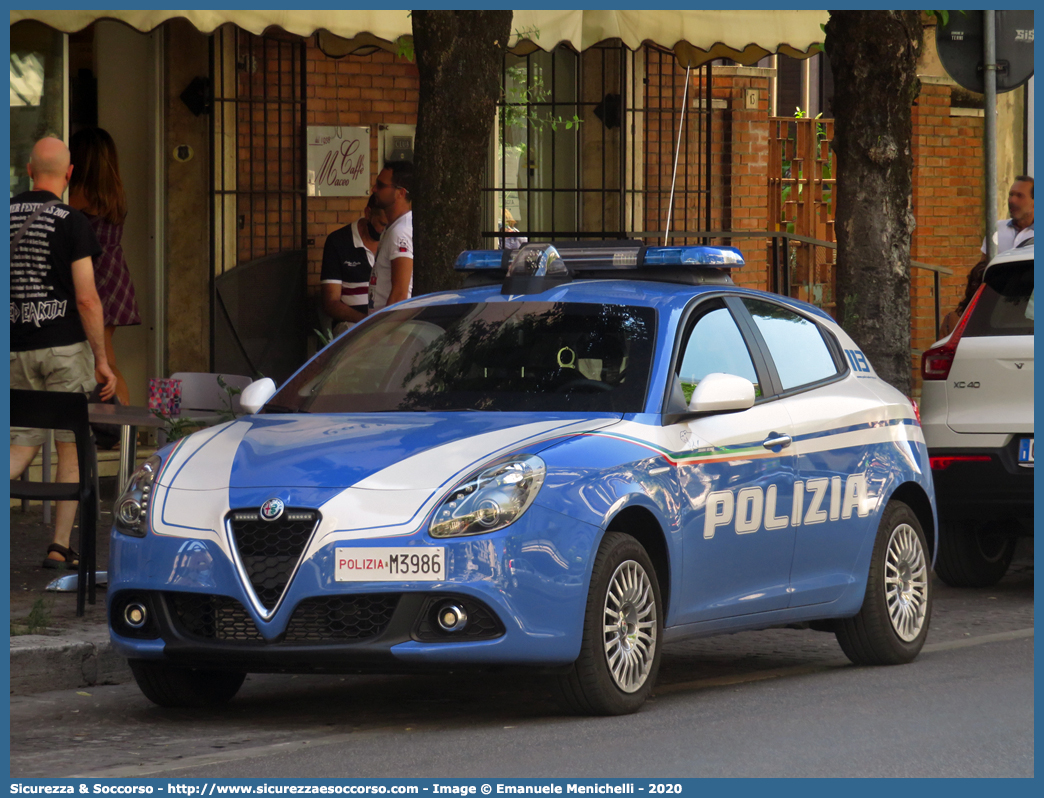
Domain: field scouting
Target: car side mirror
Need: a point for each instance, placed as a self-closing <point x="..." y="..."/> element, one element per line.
<point x="256" y="394"/>
<point x="717" y="393"/>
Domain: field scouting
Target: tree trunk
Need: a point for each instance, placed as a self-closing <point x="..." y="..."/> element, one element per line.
<point x="460" y="57"/>
<point x="873" y="55"/>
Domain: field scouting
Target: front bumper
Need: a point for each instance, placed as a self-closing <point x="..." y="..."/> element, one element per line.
<point x="527" y="582"/>
<point x="988" y="490"/>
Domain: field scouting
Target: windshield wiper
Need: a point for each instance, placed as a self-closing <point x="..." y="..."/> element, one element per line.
<point x="283" y="409"/>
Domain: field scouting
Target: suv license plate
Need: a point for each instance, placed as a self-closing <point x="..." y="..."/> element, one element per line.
<point x="387" y="564"/>
<point x="1026" y="452"/>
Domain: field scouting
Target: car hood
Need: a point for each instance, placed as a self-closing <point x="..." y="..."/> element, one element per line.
<point x="375" y="451"/>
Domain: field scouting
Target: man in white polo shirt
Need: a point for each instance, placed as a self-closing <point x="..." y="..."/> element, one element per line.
<point x="1008" y="235"/>
<point x="392" y="278"/>
<point x="1012" y="232"/>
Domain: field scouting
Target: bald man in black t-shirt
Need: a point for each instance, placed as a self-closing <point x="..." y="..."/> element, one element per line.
<point x="57" y="327"/>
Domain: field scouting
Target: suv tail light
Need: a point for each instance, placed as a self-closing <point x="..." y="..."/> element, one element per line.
<point x="942" y="462"/>
<point x="916" y="408"/>
<point x="936" y="362"/>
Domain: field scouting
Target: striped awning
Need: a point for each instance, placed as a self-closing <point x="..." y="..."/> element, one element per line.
<point x="695" y="36"/>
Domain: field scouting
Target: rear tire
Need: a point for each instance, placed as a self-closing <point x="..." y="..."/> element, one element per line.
<point x="892" y="624"/>
<point x="973" y="554"/>
<point x="623" y="633"/>
<point x="169" y="686"/>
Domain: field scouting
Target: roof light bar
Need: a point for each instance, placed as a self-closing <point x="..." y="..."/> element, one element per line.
<point x="606" y="258"/>
<point x="702" y="256"/>
<point x="534" y="269"/>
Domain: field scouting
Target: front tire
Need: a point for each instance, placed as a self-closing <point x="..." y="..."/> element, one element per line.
<point x="973" y="554"/>
<point x="623" y="632"/>
<point x="169" y="686"/>
<point x="892" y="624"/>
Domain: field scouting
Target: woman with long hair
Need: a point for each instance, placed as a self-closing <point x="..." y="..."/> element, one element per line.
<point x="950" y="320"/>
<point x="96" y="189"/>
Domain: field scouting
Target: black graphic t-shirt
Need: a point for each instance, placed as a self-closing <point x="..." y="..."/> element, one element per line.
<point x="43" y="298"/>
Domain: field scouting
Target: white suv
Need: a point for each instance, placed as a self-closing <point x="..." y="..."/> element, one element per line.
<point x="977" y="415"/>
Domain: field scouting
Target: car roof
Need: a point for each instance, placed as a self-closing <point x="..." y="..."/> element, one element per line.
<point x="1020" y="253"/>
<point x="642" y="293"/>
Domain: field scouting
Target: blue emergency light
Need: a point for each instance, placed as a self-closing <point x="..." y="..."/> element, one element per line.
<point x="537" y="267"/>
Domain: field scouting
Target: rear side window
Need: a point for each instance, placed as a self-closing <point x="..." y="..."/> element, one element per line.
<point x="795" y="343"/>
<point x="1005" y="306"/>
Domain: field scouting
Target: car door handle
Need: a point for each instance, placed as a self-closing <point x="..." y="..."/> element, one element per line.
<point x="782" y="441"/>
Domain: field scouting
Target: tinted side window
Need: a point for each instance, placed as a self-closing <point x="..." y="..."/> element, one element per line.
<point x="1006" y="304"/>
<point x="715" y="345"/>
<point x="796" y="344"/>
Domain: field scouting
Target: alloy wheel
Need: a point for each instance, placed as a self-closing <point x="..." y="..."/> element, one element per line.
<point x="630" y="626"/>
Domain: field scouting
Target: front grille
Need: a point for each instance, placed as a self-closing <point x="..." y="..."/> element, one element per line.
<point x="212" y="618"/>
<point x="338" y="618"/>
<point x="270" y="550"/>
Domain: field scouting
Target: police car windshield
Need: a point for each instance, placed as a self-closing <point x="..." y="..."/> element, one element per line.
<point x="506" y="356"/>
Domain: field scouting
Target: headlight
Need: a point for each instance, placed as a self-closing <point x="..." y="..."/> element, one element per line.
<point x="495" y="498"/>
<point x="132" y="507"/>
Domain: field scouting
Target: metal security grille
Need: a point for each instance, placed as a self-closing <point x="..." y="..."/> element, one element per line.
<point x="660" y="117"/>
<point x="584" y="144"/>
<point x="259" y="181"/>
<point x="258" y="309"/>
<point x="270" y="550"/>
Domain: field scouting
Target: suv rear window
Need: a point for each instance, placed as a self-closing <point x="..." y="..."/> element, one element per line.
<point x="1006" y="304"/>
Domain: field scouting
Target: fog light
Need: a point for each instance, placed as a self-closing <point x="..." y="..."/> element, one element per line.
<point x="451" y="617"/>
<point x="129" y="512"/>
<point x="135" y="615"/>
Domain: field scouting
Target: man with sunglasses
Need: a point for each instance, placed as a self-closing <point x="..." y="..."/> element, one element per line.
<point x="392" y="277"/>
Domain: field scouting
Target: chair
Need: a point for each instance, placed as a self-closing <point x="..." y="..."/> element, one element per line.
<point x="54" y="410"/>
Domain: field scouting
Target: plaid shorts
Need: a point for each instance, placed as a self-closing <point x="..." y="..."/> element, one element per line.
<point x="62" y="368"/>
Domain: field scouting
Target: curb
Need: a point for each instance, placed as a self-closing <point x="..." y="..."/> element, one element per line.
<point x="40" y="663"/>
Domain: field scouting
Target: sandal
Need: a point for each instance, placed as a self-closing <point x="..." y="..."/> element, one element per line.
<point x="70" y="561"/>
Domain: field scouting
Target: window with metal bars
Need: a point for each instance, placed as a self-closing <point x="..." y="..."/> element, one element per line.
<point x="584" y="146"/>
<point x="259" y="182"/>
<point x="258" y="309"/>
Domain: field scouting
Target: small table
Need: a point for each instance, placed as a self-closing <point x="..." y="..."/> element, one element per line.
<point x="129" y="418"/>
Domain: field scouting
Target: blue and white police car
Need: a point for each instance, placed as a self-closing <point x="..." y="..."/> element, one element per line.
<point x="592" y="451"/>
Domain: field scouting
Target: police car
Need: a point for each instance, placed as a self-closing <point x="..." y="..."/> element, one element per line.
<point x="586" y="454"/>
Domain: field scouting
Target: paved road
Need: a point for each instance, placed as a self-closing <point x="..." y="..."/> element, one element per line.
<point x="774" y="703"/>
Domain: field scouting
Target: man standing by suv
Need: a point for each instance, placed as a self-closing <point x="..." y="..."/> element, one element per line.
<point x="1012" y="232"/>
<point x="1008" y="235"/>
<point x="392" y="278"/>
<point x="57" y="329"/>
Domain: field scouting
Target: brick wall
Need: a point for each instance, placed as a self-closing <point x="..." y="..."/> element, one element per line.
<point x="740" y="167"/>
<point x="353" y="91"/>
<point x="948" y="183"/>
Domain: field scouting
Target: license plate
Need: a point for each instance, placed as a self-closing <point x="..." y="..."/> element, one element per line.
<point x="1026" y="452"/>
<point x="386" y="564"/>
